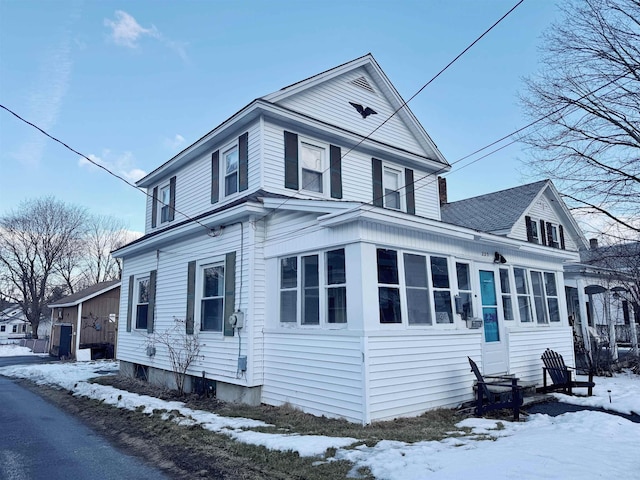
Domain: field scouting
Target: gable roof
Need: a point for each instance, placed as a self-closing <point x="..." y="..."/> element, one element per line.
<point x="86" y="294"/>
<point x="268" y="105"/>
<point x="380" y="79"/>
<point x="493" y="212"/>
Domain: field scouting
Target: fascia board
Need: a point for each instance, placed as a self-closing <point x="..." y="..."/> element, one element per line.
<point x="303" y="205"/>
<point x="84" y="299"/>
<point x="190" y="229"/>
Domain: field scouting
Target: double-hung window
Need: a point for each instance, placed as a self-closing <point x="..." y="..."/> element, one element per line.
<point x="441" y="290"/>
<point x="312" y="167"/>
<point x="212" y="303"/>
<point x="302" y="279"/>
<point x="142" y="303"/>
<point x="15" y="329"/>
<point x="165" y="199"/>
<point x="230" y="163"/>
<point x="522" y="292"/>
<point x="3" y="328"/>
<point x="391" y="183"/>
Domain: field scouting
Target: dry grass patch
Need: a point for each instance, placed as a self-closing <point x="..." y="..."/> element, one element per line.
<point x="433" y="425"/>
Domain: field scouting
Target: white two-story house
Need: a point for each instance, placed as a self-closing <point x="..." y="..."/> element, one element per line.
<point x="303" y="242"/>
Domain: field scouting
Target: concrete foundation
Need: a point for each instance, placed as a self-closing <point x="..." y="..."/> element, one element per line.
<point x="225" y="392"/>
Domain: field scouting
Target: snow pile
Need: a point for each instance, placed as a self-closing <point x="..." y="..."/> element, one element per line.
<point x="584" y="444"/>
<point x="13" y="350"/>
<point x="74" y="376"/>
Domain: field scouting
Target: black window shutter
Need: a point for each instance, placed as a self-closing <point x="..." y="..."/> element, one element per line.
<point x="543" y="233"/>
<point x="335" y="169"/>
<point x="130" y="303"/>
<point x="561" y="232"/>
<point x="215" y="176"/>
<point x="527" y="221"/>
<point x="243" y="162"/>
<point x="229" y="291"/>
<point x="154" y="208"/>
<point x="549" y="235"/>
<point x="152" y="300"/>
<point x="290" y="160"/>
<point x="410" y="191"/>
<point x="376" y="171"/>
<point x="191" y="296"/>
<point x="172" y="198"/>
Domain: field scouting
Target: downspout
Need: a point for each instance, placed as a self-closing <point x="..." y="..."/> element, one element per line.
<point x="78" y="327"/>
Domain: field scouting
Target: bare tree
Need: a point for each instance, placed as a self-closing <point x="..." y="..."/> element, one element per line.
<point x="588" y="93"/>
<point x="182" y="349"/>
<point x="33" y="240"/>
<point x="104" y="235"/>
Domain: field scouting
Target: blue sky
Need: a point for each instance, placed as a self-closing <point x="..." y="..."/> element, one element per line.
<point x="130" y="84"/>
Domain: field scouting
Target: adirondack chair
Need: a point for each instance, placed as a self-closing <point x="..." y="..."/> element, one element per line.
<point x="496" y="392"/>
<point x="561" y="375"/>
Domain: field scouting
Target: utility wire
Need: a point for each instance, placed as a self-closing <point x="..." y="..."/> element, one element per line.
<point x="122" y="179"/>
<point x="404" y="103"/>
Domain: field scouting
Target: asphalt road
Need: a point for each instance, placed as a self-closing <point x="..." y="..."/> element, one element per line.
<point x="38" y="441"/>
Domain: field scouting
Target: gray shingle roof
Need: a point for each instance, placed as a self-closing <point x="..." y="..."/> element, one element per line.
<point x="87" y="292"/>
<point x="493" y="212"/>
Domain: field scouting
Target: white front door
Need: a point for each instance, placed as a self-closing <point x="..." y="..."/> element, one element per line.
<point x="494" y="344"/>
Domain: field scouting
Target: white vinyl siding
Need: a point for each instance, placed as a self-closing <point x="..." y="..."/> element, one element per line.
<point x="329" y="102"/>
<point x="317" y="372"/>
<point x="357" y="180"/>
<point x="219" y="353"/>
<point x="193" y="182"/>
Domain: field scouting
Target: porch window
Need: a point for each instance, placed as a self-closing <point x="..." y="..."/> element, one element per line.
<point x="311" y="291"/>
<point x="303" y="286"/>
<point x="551" y="291"/>
<point x="441" y="290"/>
<point x="388" y="286"/>
<point x="212" y="304"/>
<point x="464" y="290"/>
<point x="336" y="287"/>
<point x="142" y="303"/>
<point x="288" y="289"/>
<point x="522" y="292"/>
<point x="505" y="290"/>
<point x="417" y="289"/>
<point x="538" y="297"/>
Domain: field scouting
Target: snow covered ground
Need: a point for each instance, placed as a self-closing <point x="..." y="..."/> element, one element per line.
<point x="584" y="444"/>
<point x="13" y="350"/>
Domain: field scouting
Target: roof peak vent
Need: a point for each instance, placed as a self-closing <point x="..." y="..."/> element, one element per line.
<point x="363" y="83"/>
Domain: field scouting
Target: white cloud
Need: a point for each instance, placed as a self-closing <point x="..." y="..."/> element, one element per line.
<point x="175" y="142"/>
<point x="126" y="31"/>
<point x="122" y="165"/>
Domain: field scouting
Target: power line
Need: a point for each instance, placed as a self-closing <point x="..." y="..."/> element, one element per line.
<point x="122" y="179"/>
<point x="404" y="103"/>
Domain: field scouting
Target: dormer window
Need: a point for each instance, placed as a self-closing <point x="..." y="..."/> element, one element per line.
<point x="546" y="233"/>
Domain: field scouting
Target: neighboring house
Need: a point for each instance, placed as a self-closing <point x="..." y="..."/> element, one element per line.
<point x="93" y="313"/>
<point x="304" y="243"/>
<point x="604" y="288"/>
<point x="13" y="324"/>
